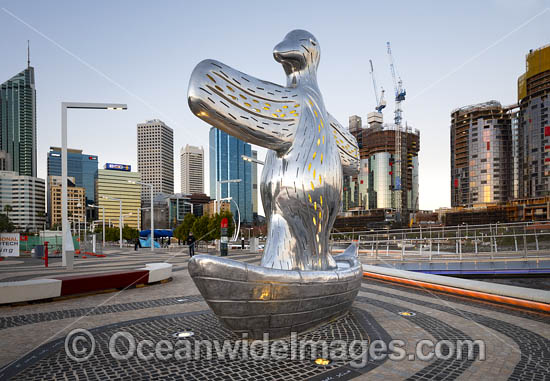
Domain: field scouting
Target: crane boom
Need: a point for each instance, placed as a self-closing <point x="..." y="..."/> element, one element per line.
<point x="400" y="145"/>
<point x="380" y="101"/>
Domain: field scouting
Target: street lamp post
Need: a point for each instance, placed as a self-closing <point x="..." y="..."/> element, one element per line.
<point x="189" y="203"/>
<point x="68" y="260"/>
<point x="120" y="216"/>
<point x="252" y="160"/>
<point x="219" y="190"/>
<point x="152" y="212"/>
<point x="103" y="215"/>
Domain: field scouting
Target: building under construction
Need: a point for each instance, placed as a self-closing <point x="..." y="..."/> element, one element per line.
<point x="482" y="163"/>
<point x="376" y="186"/>
<point x="518" y="210"/>
<point x="534" y="125"/>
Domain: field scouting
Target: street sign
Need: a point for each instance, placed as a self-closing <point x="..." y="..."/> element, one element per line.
<point x="9" y="244"/>
<point x="224" y="223"/>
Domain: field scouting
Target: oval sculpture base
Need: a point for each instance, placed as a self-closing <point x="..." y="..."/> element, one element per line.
<point x="256" y="300"/>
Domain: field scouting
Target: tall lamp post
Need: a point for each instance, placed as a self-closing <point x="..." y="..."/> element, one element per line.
<point x="219" y="190"/>
<point x="103" y="215"/>
<point x="152" y="212"/>
<point x="120" y="216"/>
<point x="68" y="260"/>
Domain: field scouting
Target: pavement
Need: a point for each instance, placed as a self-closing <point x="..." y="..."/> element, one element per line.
<point x="515" y="342"/>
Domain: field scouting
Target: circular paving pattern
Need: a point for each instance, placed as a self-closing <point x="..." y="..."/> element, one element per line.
<point x="52" y="362"/>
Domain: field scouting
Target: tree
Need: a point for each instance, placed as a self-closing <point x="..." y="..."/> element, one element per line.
<point x="129" y="233"/>
<point x="8" y="209"/>
<point x="182" y="230"/>
<point x="200" y="228"/>
<point x="6" y="226"/>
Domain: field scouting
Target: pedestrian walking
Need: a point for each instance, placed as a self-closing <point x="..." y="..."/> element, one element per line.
<point x="191" y="242"/>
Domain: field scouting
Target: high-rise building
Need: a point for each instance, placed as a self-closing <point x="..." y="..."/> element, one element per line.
<point x="81" y="166"/>
<point x="155" y="157"/>
<point x="482" y="165"/>
<point x="5" y="161"/>
<point x="534" y="125"/>
<point x="226" y="163"/>
<point x="23" y="199"/>
<point x="254" y="184"/>
<point x="192" y="169"/>
<point x="18" y="122"/>
<point x="117" y="181"/>
<point x="376" y="184"/>
<point x="76" y="201"/>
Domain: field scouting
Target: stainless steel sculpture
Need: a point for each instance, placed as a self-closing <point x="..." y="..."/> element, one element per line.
<point x="299" y="284"/>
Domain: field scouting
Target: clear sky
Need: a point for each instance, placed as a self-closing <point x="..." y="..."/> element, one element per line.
<point x="449" y="54"/>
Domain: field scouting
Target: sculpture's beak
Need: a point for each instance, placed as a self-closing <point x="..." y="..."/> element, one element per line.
<point x="286" y="53"/>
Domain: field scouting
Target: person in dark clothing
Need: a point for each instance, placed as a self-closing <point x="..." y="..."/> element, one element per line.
<point x="136" y="244"/>
<point x="191" y="242"/>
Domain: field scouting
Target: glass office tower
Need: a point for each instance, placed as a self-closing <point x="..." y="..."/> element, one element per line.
<point x="18" y="122"/>
<point x="226" y="164"/>
<point x="82" y="167"/>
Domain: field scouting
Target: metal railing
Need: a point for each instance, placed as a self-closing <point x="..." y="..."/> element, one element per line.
<point x="521" y="239"/>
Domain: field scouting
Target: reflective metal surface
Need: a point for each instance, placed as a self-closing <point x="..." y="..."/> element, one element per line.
<point x="257" y="300"/>
<point x="301" y="189"/>
<point x="301" y="182"/>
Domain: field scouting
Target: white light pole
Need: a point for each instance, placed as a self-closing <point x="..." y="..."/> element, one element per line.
<point x="252" y="160"/>
<point x="69" y="260"/>
<point x="189" y="203"/>
<point x="239" y="219"/>
<point x="219" y="190"/>
<point x="103" y="215"/>
<point x="152" y="212"/>
<point x="120" y="216"/>
<point x="139" y="218"/>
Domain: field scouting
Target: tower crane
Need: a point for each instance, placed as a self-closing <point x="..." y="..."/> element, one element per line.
<point x="400" y="145"/>
<point x="380" y="101"/>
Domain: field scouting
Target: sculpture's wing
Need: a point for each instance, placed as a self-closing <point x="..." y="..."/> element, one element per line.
<point x="347" y="147"/>
<point x="250" y="109"/>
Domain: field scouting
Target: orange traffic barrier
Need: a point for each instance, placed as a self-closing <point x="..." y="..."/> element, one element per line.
<point x="460" y="291"/>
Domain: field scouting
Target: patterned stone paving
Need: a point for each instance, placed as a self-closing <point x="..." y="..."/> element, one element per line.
<point x="157" y="312"/>
<point x="535" y="349"/>
<point x="52" y="362"/>
<point x="19" y="320"/>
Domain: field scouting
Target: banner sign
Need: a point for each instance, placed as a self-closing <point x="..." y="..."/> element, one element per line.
<point x="9" y="244"/>
<point x="118" y="167"/>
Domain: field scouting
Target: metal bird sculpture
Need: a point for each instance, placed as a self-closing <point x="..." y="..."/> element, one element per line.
<point x="308" y="150"/>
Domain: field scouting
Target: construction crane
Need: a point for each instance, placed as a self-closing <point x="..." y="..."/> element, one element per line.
<point x="400" y="146"/>
<point x="380" y="101"/>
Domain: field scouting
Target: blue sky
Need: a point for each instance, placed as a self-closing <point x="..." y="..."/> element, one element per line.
<point x="449" y="54"/>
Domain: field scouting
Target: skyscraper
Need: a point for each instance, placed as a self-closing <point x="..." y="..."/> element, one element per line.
<point x="18" y="122"/>
<point x="534" y="125"/>
<point x="25" y="196"/>
<point x="482" y="166"/>
<point x="192" y="169"/>
<point x="226" y="163"/>
<point x="81" y="166"/>
<point x="117" y="181"/>
<point x="155" y="157"/>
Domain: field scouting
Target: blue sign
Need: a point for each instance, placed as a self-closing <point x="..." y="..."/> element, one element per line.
<point x="118" y="167"/>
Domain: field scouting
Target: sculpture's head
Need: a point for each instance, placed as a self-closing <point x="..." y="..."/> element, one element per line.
<point x="298" y="51"/>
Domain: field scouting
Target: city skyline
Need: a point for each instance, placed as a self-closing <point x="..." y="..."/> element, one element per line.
<point x="436" y="69"/>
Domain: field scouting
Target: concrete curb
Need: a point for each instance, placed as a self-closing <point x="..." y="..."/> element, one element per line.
<point x="40" y="289"/>
<point x="487" y="288"/>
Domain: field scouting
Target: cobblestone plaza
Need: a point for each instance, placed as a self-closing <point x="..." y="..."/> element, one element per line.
<point x="517" y="342"/>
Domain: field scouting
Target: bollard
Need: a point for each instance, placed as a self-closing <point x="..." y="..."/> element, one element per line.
<point x="46" y="253"/>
